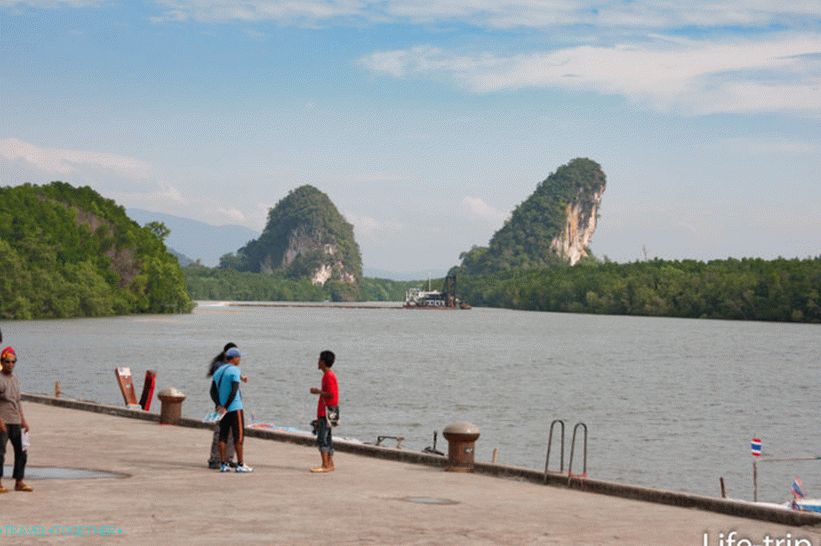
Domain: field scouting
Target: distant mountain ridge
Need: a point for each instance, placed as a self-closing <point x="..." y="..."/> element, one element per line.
<point x="197" y="240"/>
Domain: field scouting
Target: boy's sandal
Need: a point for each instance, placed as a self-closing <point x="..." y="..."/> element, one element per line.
<point x="3" y="489"/>
<point x="23" y="487"/>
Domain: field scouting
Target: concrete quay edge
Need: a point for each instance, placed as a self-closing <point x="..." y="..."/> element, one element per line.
<point x="647" y="494"/>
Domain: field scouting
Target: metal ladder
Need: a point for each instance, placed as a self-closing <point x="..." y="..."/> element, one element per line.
<point x="561" y="453"/>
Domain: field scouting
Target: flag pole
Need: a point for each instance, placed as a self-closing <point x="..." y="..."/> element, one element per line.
<point x="755" y="445"/>
<point x="755" y="481"/>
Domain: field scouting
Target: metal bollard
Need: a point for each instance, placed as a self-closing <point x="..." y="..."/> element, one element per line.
<point x="171" y="406"/>
<point x="461" y="437"/>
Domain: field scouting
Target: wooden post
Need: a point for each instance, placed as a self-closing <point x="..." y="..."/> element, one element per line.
<point x="755" y="481"/>
<point x="495" y="453"/>
<point x="723" y="490"/>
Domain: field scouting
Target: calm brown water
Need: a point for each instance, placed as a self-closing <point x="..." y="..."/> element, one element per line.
<point x="669" y="402"/>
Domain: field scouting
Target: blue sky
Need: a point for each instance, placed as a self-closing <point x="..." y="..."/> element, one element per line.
<point x="428" y="122"/>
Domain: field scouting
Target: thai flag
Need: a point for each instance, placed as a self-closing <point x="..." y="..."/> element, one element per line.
<point x="756" y="446"/>
<point x="796" y="489"/>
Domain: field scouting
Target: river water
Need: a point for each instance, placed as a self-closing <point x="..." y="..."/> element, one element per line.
<point x="669" y="403"/>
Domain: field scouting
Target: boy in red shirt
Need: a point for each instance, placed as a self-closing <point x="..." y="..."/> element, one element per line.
<point x="328" y="397"/>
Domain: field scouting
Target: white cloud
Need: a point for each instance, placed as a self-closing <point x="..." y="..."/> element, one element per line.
<point x="502" y="14"/>
<point x="780" y="73"/>
<point x="285" y="11"/>
<point x="49" y="4"/>
<point x="372" y="229"/>
<point x="477" y="208"/>
<point x="770" y="146"/>
<point x="168" y="199"/>
<point x="233" y="214"/>
<point x="635" y="14"/>
<point x="127" y="180"/>
<point x="159" y="197"/>
<point x="493" y="14"/>
<point x="62" y="162"/>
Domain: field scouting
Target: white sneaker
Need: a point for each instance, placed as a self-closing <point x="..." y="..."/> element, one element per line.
<point x="244" y="468"/>
<point x="225" y="468"/>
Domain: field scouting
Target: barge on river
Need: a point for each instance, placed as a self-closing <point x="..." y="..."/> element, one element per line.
<point x="416" y="298"/>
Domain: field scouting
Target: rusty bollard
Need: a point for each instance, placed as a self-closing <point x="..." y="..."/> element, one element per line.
<point x="461" y="437"/>
<point x="171" y="406"/>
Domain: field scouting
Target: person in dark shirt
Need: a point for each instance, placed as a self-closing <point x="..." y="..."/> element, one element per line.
<point x="13" y="425"/>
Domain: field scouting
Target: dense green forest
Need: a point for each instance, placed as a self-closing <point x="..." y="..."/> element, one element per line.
<point x="205" y="283"/>
<point x="746" y="289"/>
<point x="524" y="242"/>
<point x="227" y="284"/>
<point x="69" y="252"/>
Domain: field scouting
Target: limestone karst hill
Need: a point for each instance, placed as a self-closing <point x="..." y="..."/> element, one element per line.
<point x="554" y="225"/>
<point x="305" y="237"/>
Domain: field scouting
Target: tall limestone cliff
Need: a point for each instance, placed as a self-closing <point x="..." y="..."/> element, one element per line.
<point x="305" y="237"/>
<point x="554" y="225"/>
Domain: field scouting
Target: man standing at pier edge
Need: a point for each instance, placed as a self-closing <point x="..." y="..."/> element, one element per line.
<point x="328" y="396"/>
<point x="12" y="420"/>
<point x="227" y="379"/>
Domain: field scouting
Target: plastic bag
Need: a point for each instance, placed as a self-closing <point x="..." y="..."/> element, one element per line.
<point x="213" y="417"/>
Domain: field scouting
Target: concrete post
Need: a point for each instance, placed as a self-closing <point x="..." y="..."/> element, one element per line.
<point x="171" y="406"/>
<point x="461" y="437"/>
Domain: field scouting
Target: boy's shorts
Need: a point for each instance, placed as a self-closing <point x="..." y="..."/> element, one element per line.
<point x="324" y="439"/>
<point x="233" y="421"/>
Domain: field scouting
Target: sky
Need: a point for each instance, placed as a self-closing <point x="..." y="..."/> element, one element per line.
<point x="428" y="122"/>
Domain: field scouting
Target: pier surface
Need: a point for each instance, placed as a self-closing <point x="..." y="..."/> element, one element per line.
<point x="168" y="496"/>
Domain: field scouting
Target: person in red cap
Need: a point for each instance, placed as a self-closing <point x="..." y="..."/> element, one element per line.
<point x="12" y="420"/>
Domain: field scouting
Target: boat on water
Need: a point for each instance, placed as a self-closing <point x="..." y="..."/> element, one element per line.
<point x="417" y="298"/>
<point x="798" y="503"/>
<point x="806" y="505"/>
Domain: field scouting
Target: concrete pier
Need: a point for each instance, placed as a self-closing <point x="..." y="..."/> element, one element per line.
<point x="168" y="496"/>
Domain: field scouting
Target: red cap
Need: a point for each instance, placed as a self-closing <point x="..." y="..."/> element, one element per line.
<point x="7" y="352"/>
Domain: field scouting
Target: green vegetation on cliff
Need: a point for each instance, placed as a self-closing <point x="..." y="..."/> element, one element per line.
<point x="747" y="289"/>
<point x="69" y="252"/>
<point x="524" y="242"/>
<point x="305" y="236"/>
